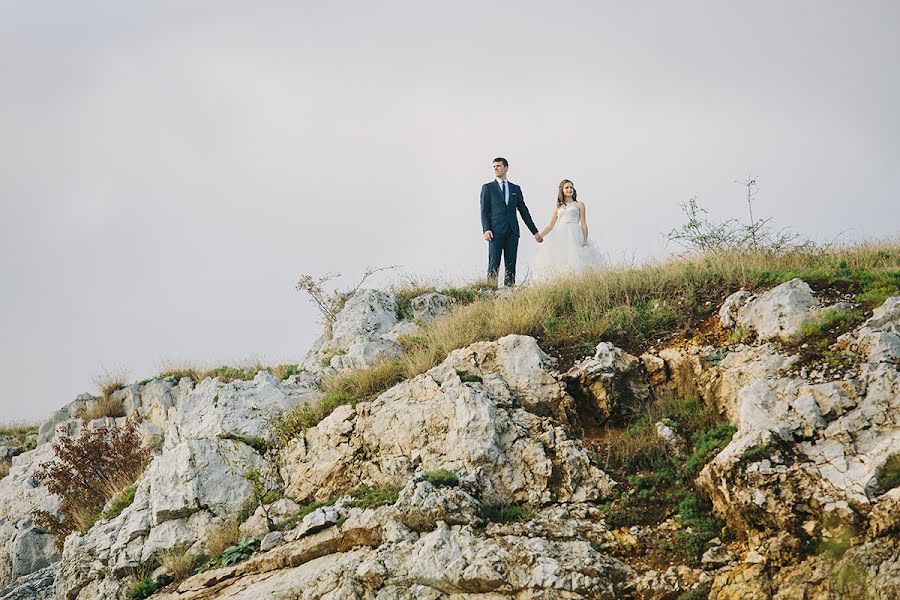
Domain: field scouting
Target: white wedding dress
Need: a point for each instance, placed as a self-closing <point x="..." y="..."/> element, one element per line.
<point x="562" y="251"/>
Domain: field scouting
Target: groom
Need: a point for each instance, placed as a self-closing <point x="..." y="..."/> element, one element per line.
<point x="499" y="201"/>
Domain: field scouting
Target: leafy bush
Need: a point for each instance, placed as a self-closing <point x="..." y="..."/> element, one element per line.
<point x="442" y="477"/>
<point x="366" y="496"/>
<point x="701" y="235"/>
<point x="142" y="589"/>
<point x="235" y="554"/>
<point x="86" y="473"/>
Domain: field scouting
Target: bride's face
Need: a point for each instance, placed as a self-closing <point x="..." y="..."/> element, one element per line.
<point x="568" y="190"/>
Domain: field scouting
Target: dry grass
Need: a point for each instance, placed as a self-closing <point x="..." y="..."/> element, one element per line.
<point x="179" y="564"/>
<point x="105" y="406"/>
<point x="242" y="372"/>
<point x="109" y="382"/>
<point x="4" y="469"/>
<point x="630" y="307"/>
<point x="223" y="536"/>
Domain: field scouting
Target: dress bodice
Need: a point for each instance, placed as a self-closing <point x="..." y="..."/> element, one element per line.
<point x="568" y="214"/>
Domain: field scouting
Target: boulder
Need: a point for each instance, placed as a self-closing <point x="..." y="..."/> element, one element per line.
<point x="489" y="429"/>
<point x="608" y="381"/>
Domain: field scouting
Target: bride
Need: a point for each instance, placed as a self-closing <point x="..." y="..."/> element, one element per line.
<point x="568" y="250"/>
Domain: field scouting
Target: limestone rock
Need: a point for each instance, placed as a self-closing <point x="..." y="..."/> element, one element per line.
<point x="421" y="506"/>
<point x="428" y="307"/>
<point x="729" y="311"/>
<point x="238" y="410"/>
<point x="778" y="312"/>
<point x="37" y="585"/>
<point x="608" y="380"/>
<point x="436" y="421"/>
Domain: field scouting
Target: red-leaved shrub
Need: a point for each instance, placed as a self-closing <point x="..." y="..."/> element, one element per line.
<point x="89" y="470"/>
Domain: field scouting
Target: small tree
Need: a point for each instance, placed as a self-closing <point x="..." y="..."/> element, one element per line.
<point x="87" y="472"/>
<point x="701" y="235"/>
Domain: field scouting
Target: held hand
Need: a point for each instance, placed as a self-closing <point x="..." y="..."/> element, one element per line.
<point x="539" y="238"/>
<point x="488" y="235"/>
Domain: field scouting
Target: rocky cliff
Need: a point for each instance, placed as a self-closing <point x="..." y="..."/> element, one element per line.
<point x="485" y="477"/>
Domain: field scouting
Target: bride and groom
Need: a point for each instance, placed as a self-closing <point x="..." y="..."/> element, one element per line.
<point x="565" y="248"/>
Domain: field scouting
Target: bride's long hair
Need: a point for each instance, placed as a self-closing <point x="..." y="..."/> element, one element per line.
<point x="561" y="198"/>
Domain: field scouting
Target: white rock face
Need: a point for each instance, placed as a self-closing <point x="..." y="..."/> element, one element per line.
<point x="372" y="556"/>
<point x="827" y="443"/>
<point x="428" y="307"/>
<point x="367" y="330"/>
<point x="487" y="430"/>
<point x="24" y="548"/>
<point x="777" y="313"/>
<point x="196" y="480"/>
<point x="238" y="409"/>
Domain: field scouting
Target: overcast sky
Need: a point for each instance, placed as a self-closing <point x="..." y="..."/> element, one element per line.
<point x="169" y="169"/>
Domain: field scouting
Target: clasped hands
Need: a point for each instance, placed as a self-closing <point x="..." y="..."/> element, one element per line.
<point x="489" y="235"/>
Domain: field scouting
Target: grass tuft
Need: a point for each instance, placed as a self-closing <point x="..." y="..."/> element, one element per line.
<point x="292" y="424"/>
<point x="366" y="496"/>
<point x="222" y="536"/>
<point x="507" y="513"/>
<point x="119" y="502"/>
<point x="442" y="478"/>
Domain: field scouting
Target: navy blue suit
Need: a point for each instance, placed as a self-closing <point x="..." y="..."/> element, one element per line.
<point x="501" y="220"/>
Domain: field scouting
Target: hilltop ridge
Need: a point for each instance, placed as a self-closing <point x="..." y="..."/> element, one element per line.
<point x="720" y="426"/>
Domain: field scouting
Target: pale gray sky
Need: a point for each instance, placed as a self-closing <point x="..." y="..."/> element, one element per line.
<point x="168" y="169"/>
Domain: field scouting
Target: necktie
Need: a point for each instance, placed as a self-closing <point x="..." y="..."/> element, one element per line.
<point x="503" y="192"/>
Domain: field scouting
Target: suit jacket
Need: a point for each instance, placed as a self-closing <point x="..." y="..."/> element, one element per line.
<point x="499" y="218"/>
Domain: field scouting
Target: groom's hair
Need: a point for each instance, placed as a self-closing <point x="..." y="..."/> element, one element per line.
<point x="500" y="159"/>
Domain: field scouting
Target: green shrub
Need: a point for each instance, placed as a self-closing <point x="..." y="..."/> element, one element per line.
<point x="442" y="477"/>
<point x="236" y="554"/>
<point x="366" y="496"/>
<point x="695" y="514"/>
<point x="142" y="589"/>
<point x="707" y="444"/>
<point x="701" y="592"/>
<point x="468" y="377"/>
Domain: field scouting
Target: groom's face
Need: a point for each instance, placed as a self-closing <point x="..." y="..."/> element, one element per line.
<point x="500" y="170"/>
